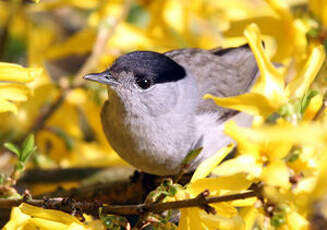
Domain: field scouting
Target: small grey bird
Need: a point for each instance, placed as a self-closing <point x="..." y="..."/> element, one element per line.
<point x="155" y="114"/>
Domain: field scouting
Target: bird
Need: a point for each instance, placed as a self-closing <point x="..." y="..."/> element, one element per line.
<point x="155" y="113"/>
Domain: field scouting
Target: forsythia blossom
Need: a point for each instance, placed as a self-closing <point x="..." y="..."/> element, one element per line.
<point x="34" y="218"/>
<point x="12" y="88"/>
<point x="284" y="151"/>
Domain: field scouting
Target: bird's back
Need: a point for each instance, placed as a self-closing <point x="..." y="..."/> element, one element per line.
<point x="220" y="72"/>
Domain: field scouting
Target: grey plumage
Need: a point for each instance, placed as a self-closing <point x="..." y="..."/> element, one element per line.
<point x="238" y="66"/>
<point x="155" y="113"/>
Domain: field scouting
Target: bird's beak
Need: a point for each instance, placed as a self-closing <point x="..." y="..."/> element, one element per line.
<point x="104" y="78"/>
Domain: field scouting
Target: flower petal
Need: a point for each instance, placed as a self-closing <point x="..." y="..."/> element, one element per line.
<point x="244" y="202"/>
<point x="17" y="219"/>
<point x="276" y="174"/>
<point x="217" y="185"/>
<point x="251" y="103"/>
<point x="296" y="221"/>
<point x="222" y="223"/>
<point x="249" y="216"/>
<point x="45" y="224"/>
<point x="244" y="145"/>
<point x="312" y="134"/>
<point x="302" y="82"/>
<point x="242" y="164"/>
<point x="205" y="168"/>
<point x="313" y="107"/>
<point x="48" y="214"/>
<point x="6" y="106"/>
<point x="14" y="92"/>
<point x="271" y="81"/>
<point x="16" y="73"/>
<point x="225" y="209"/>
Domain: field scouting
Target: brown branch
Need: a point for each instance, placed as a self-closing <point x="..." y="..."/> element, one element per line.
<point x="119" y="188"/>
<point x="198" y="201"/>
<point x="70" y="205"/>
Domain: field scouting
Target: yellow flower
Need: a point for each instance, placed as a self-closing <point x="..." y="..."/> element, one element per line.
<point x="270" y="91"/>
<point x="319" y="8"/>
<point x="34" y="218"/>
<point x="254" y="154"/>
<point x="29" y="110"/>
<point x="16" y="73"/>
<point x="290" y="175"/>
<point x="306" y="134"/>
<point x="11" y="88"/>
<point x="285" y="35"/>
<point x="314" y="106"/>
<point x="227" y="215"/>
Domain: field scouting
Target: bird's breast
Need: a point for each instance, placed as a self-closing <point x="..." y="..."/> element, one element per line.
<point x="156" y="145"/>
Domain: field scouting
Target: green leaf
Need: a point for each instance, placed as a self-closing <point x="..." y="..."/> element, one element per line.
<point x="293" y="155"/>
<point x="168" y="188"/>
<point x="286" y="110"/>
<point x="272" y="118"/>
<point x="278" y="220"/>
<point x="192" y="155"/>
<point x="313" y="32"/>
<point x="138" y="16"/>
<point x="113" y="222"/>
<point x="325" y="45"/>
<point x="28" y="155"/>
<point x="28" y="148"/>
<point x="20" y="166"/>
<point x="172" y="190"/>
<point x="2" y="179"/>
<point x="13" y="148"/>
<point x="15" y="48"/>
<point x="305" y="100"/>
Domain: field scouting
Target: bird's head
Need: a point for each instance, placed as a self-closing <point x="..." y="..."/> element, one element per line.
<point x="149" y="80"/>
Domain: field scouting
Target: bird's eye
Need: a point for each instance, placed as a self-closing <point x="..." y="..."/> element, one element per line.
<point x="143" y="83"/>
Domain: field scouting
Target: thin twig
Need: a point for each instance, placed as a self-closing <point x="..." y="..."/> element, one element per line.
<point x="69" y="205"/>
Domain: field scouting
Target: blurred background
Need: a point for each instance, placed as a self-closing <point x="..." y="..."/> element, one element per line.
<point x="69" y="38"/>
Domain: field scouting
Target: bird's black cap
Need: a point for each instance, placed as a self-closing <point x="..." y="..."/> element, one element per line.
<point x="151" y="65"/>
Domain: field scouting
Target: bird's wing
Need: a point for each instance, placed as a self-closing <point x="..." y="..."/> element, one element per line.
<point x="220" y="72"/>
